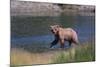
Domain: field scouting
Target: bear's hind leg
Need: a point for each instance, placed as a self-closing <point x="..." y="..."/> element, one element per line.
<point x="75" y="42"/>
<point x="70" y="43"/>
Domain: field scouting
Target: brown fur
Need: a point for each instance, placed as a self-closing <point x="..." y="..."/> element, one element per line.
<point x="63" y="34"/>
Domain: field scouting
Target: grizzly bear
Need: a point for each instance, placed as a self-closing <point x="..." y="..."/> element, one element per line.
<point x="63" y="34"/>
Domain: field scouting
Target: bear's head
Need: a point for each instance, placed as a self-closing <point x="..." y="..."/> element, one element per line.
<point x="54" y="29"/>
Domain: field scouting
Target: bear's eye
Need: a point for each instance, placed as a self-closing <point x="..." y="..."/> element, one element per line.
<point x="51" y="30"/>
<point x="55" y="29"/>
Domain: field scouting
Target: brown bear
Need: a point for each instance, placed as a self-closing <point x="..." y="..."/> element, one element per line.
<point x="63" y="34"/>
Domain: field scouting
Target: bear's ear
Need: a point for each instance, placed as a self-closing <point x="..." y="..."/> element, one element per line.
<point x="51" y="26"/>
<point x="58" y="26"/>
<point x="55" y="26"/>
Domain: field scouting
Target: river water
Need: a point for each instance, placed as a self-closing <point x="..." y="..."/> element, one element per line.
<point x="36" y="30"/>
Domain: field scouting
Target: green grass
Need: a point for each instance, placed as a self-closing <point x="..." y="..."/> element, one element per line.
<point x="85" y="53"/>
<point x="81" y="53"/>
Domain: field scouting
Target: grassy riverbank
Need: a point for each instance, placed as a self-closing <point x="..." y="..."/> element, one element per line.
<point x="81" y="53"/>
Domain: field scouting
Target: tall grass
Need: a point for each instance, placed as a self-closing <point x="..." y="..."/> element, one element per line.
<point x="80" y="53"/>
<point x="23" y="57"/>
<point x="85" y="53"/>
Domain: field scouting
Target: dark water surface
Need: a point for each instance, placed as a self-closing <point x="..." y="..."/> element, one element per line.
<point x="36" y="31"/>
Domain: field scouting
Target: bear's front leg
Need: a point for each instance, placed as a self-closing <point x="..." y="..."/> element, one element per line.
<point x="62" y="43"/>
<point x="54" y="42"/>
